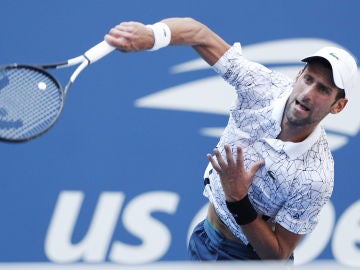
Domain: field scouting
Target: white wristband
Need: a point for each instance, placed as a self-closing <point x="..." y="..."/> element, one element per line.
<point x="162" y="35"/>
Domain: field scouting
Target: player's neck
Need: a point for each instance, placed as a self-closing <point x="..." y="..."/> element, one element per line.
<point x="291" y="133"/>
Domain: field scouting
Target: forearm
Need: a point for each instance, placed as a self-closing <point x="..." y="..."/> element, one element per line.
<point x="135" y="36"/>
<point x="269" y="244"/>
<point x="187" y="31"/>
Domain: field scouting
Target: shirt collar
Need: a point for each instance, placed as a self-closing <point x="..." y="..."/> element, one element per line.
<point x="294" y="150"/>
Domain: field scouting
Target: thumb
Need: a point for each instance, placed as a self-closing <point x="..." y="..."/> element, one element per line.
<point x="255" y="167"/>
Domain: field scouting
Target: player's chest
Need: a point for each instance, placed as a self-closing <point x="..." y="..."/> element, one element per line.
<point x="273" y="182"/>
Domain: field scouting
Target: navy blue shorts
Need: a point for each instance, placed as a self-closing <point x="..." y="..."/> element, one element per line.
<point x="208" y="244"/>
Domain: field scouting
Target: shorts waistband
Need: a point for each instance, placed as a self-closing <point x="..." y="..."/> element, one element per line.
<point x="217" y="236"/>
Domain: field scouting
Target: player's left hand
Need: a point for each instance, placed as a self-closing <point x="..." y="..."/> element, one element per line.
<point x="235" y="179"/>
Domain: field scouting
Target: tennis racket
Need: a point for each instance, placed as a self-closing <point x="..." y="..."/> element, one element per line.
<point x="31" y="99"/>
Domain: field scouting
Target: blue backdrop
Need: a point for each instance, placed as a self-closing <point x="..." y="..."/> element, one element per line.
<point x="119" y="177"/>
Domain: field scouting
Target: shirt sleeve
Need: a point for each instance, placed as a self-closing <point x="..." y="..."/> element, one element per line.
<point x="253" y="81"/>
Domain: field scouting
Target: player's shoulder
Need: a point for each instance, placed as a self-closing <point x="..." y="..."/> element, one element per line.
<point x="319" y="156"/>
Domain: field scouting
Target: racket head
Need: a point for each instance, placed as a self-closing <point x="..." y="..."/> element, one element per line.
<point x="31" y="101"/>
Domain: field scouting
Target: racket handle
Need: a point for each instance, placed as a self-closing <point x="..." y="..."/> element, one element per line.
<point x="98" y="51"/>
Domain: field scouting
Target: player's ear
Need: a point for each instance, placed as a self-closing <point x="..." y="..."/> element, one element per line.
<point x="338" y="106"/>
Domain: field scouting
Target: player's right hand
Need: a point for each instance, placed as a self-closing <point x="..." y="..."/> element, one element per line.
<point x="130" y="37"/>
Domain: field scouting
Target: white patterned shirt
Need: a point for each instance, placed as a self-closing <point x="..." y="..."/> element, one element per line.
<point x="297" y="178"/>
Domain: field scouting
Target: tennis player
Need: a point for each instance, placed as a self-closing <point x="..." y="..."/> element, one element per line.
<point x="272" y="170"/>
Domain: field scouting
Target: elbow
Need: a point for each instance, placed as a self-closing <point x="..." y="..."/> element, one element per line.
<point x="190" y="20"/>
<point x="199" y="32"/>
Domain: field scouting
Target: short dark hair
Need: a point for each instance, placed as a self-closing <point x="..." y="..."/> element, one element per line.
<point x="340" y="94"/>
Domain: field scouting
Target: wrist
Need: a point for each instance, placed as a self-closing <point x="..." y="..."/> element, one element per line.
<point x="162" y="35"/>
<point x="242" y="210"/>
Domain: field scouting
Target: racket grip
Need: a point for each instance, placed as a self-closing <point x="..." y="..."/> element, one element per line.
<point x="98" y="51"/>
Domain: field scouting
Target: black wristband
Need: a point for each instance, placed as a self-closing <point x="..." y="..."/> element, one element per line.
<point x="243" y="211"/>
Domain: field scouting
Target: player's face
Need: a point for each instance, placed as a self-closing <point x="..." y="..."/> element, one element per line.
<point x="313" y="97"/>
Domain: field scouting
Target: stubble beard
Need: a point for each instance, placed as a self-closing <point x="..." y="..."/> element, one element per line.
<point x="292" y="120"/>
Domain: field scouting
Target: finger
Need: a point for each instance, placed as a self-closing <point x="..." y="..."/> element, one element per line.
<point x="214" y="163"/>
<point x="255" y="167"/>
<point x="120" y="31"/>
<point x="124" y="25"/>
<point x="120" y="43"/>
<point x="111" y="40"/>
<point x="131" y="27"/>
<point x="129" y="24"/>
<point x="229" y="155"/>
<point x="220" y="159"/>
<point x="240" y="158"/>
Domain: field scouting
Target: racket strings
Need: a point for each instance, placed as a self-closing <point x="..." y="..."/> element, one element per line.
<point x="30" y="102"/>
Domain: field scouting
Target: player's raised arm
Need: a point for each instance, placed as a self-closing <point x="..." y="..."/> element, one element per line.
<point x="135" y="36"/>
